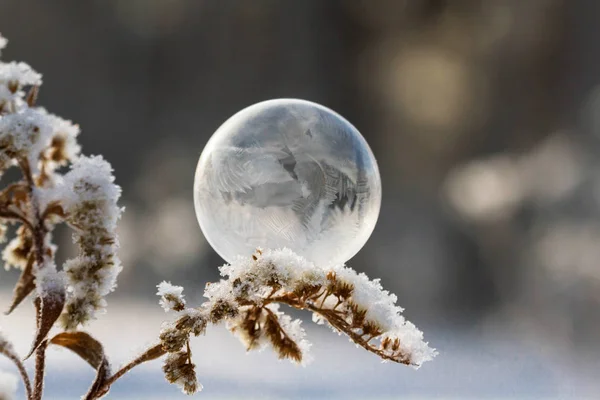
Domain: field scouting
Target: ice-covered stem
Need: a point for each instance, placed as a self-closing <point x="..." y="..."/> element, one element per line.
<point x="40" y="370"/>
<point x="7" y="349"/>
<point x="248" y="301"/>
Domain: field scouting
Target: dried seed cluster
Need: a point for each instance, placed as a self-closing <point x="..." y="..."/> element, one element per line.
<point x="175" y="337"/>
<point x="248" y="301"/>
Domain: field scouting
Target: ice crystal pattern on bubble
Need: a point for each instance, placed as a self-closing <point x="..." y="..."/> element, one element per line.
<point x="288" y="173"/>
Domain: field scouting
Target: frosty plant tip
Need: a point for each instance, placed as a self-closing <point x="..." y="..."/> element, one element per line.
<point x="290" y="176"/>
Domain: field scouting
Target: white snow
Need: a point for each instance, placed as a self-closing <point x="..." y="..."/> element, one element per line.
<point x="167" y="290"/>
<point x="49" y="281"/>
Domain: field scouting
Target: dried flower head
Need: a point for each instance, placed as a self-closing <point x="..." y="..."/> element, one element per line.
<point x="179" y="370"/>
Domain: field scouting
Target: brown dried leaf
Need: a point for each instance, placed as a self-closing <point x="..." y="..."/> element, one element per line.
<point x="249" y="327"/>
<point x="48" y="309"/>
<point x="24" y="286"/>
<point x="82" y="344"/>
<point x="282" y="343"/>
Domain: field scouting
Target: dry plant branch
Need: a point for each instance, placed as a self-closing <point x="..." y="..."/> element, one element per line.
<point x="86" y="198"/>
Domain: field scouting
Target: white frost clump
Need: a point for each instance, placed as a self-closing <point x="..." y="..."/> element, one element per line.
<point x="88" y="197"/>
<point x="291" y="269"/>
<point x="49" y="282"/>
<point x="380" y="306"/>
<point x="3" y="42"/>
<point x="63" y="145"/>
<point x="19" y="72"/>
<point x="13" y="77"/>
<point x="8" y="385"/>
<point x="171" y="296"/>
<point x="24" y="135"/>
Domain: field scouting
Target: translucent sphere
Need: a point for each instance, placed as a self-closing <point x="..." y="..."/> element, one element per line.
<point x="287" y="173"/>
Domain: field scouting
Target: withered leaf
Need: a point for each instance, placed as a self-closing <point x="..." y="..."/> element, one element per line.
<point x="24" y="286"/>
<point x="82" y="344"/>
<point x="47" y="308"/>
<point x="282" y="343"/>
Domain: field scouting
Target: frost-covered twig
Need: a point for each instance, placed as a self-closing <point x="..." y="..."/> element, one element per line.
<point x="248" y="301"/>
<point x="8" y="351"/>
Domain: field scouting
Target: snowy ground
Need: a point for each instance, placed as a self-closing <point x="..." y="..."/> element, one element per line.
<point x="470" y="366"/>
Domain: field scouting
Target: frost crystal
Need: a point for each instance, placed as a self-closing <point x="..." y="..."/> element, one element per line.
<point x="49" y="282"/>
<point x="171" y="297"/>
<point x="24" y="135"/>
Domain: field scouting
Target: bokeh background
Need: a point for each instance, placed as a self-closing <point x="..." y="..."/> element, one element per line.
<point x="484" y="116"/>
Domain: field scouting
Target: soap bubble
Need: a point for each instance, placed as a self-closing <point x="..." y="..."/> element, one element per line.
<point x="287" y="173"/>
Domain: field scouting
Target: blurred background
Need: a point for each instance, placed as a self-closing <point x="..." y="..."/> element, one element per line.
<point x="484" y="116"/>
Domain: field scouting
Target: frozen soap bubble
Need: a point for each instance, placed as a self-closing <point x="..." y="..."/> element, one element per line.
<point x="287" y="173"/>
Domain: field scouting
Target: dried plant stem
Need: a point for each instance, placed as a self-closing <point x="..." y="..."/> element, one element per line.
<point x="152" y="353"/>
<point x="40" y="363"/>
<point x="38" y="228"/>
<point x="23" y="373"/>
<point x="38" y="231"/>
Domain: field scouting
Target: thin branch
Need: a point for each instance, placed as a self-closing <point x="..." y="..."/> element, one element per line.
<point x="152" y="353"/>
<point x="39" y="229"/>
<point x="11" y="214"/>
<point x="40" y="366"/>
<point x="23" y="372"/>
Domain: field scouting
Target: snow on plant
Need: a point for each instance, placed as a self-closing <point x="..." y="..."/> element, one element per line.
<point x="85" y="198"/>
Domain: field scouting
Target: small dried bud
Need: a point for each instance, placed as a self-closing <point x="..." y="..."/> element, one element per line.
<point x="173" y="339"/>
<point x="171" y="297"/>
<point x="221" y="310"/>
<point x="179" y="370"/>
<point x="357" y="315"/>
<point x="371" y="329"/>
<point x="192" y="321"/>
